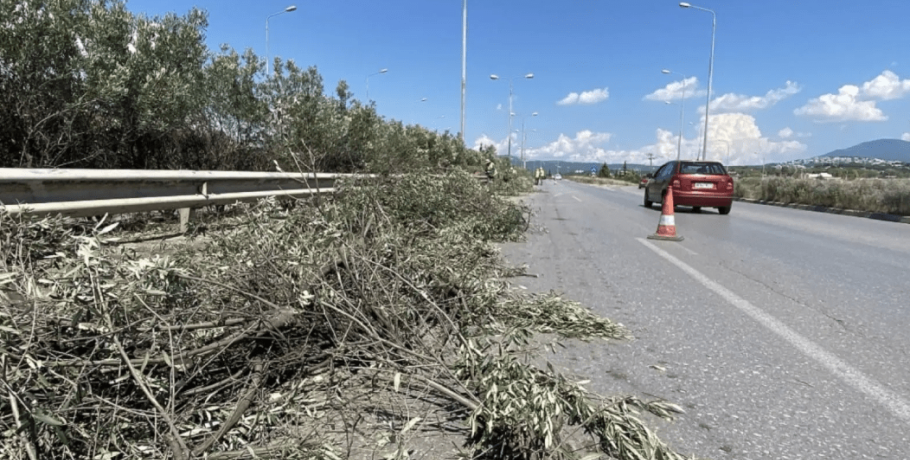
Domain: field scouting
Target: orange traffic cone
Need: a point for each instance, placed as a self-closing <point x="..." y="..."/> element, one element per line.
<point x="666" y="228"/>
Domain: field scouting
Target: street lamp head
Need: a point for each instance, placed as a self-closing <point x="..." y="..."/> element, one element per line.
<point x="684" y="5"/>
<point x="423" y="99"/>
<point x="494" y="77"/>
<point x="534" y="114"/>
<point x="383" y="70"/>
<point x="291" y="8"/>
<point x="529" y="76"/>
<point x="665" y="72"/>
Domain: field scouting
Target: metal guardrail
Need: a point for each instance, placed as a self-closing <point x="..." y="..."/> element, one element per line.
<point x="88" y="192"/>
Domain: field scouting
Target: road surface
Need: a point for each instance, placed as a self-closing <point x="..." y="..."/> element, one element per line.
<point x="784" y="334"/>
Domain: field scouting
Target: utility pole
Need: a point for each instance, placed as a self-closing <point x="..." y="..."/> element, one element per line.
<point x="651" y="159"/>
<point x="464" y="61"/>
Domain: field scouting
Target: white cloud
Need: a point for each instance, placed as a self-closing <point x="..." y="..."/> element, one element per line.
<point x="739" y="133"/>
<point x="684" y="89"/>
<point x="905" y="137"/>
<point x="502" y="145"/>
<point x="740" y="103"/>
<point x="886" y="86"/>
<point x="844" y="106"/>
<point x="788" y="133"/>
<point x="857" y="103"/>
<point x="736" y="130"/>
<point x="586" y="97"/>
<point x="585" y="144"/>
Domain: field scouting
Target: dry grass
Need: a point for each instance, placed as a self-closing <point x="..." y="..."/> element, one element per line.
<point x="350" y="328"/>
<point x="890" y="196"/>
<point x="598" y="180"/>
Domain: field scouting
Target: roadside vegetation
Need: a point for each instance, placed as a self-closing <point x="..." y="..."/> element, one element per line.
<point x="604" y="176"/>
<point x="344" y="329"/>
<point x="890" y="196"/>
<point x="106" y="88"/>
<point x="594" y="180"/>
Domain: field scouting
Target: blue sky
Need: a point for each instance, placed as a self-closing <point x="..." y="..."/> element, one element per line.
<point x="792" y="79"/>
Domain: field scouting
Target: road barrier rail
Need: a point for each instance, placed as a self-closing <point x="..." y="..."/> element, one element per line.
<point x="89" y="192"/>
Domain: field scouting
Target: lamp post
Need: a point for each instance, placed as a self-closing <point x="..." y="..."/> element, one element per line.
<point x="496" y="77"/>
<point x="710" y="68"/>
<point x="267" y="56"/>
<point x="681" y="104"/>
<point x="464" y="61"/>
<point x="524" y="139"/>
<point x="523" y="163"/>
<point x="368" y="80"/>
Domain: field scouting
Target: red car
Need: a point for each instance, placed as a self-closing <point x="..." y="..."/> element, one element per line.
<point x="699" y="184"/>
<point x="644" y="180"/>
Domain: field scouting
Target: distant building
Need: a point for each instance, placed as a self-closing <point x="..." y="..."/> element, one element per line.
<point x="823" y="175"/>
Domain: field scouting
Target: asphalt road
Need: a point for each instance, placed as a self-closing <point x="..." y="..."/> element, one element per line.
<point x="785" y="334"/>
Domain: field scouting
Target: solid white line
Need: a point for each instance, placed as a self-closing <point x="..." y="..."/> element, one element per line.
<point x="576" y="198"/>
<point x="850" y="375"/>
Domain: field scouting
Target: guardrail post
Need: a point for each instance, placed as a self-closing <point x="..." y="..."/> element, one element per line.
<point x="185" y="215"/>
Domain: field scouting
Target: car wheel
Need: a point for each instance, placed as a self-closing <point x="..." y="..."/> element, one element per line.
<point x="724" y="210"/>
<point x="696" y="209"/>
<point x="648" y="202"/>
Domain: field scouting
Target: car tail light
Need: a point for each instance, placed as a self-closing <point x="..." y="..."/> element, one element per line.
<point x="730" y="185"/>
<point x="676" y="184"/>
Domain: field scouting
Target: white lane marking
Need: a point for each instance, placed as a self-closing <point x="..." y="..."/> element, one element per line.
<point x="689" y="250"/>
<point x="576" y="198"/>
<point x="850" y="375"/>
<point x="554" y="196"/>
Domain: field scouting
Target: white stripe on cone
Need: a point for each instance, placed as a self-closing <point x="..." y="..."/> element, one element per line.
<point x="667" y="220"/>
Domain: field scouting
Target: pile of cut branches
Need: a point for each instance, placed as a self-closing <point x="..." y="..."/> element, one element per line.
<point x="298" y="332"/>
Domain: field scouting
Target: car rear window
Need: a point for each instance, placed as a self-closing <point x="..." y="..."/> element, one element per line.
<point x="701" y="167"/>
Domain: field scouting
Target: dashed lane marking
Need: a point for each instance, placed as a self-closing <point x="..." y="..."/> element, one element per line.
<point x="576" y="198"/>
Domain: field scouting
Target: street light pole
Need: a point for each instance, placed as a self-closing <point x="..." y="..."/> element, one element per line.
<point x="496" y="77"/>
<point x="681" y="105"/>
<point x="710" y="68"/>
<point x="368" y="81"/>
<point x="267" y="54"/>
<point x="510" y="119"/>
<point x="523" y="163"/>
<point x="464" y="60"/>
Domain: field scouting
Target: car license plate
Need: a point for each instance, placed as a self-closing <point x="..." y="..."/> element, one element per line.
<point x="704" y="185"/>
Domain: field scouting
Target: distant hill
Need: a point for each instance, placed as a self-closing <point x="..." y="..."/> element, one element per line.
<point x="568" y="167"/>
<point x="883" y="149"/>
<point x="888" y="150"/>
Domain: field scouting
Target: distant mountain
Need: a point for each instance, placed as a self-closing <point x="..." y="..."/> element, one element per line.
<point x="883" y="149"/>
